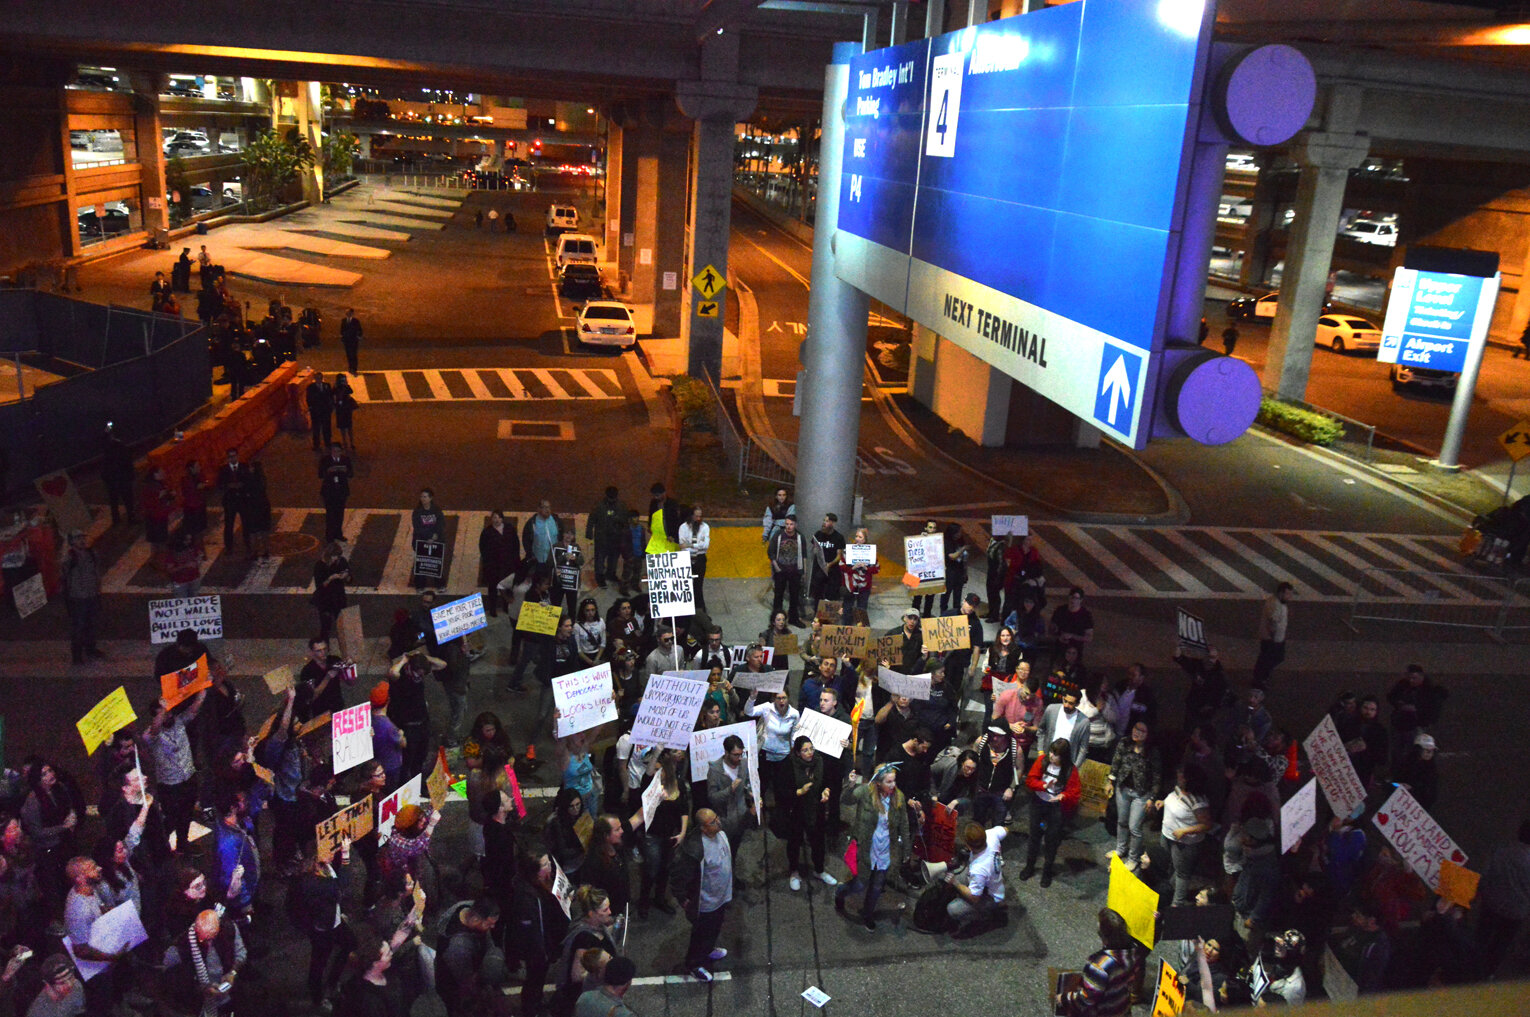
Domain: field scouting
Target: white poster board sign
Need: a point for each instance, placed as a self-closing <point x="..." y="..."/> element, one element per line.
<point x="117" y="931"/>
<point x="459" y="618"/>
<point x="411" y="793"/>
<point x="1297" y="816"/>
<point x="30" y="596"/>
<point x="350" y="737"/>
<point x="738" y="656"/>
<point x="763" y="681"/>
<point x="860" y="554"/>
<point x="827" y="734"/>
<point x="1421" y="842"/>
<point x="168" y="617"/>
<point x="707" y="745"/>
<point x="667" y="712"/>
<point x="1011" y="526"/>
<point x="914" y="686"/>
<point x="671" y="588"/>
<point x="584" y="700"/>
<point x="695" y="676"/>
<point x="653" y="794"/>
<point x="563" y="889"/>
<point x="925" y="556"/>
<point x="1335" y="772"/>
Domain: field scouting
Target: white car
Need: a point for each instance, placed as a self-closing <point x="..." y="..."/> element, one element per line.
<point x="561" y="218"/>
<point x="1341" y="332"/>
<point x="1369" y="231"/>
<point x="606" y="323"/>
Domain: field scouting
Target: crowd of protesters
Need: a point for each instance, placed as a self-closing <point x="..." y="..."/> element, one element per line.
<point x="1194" y="800"/>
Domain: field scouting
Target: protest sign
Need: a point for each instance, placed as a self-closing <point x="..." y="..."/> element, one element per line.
<point x="738" y="656"/>
<point x="429" y="559"/>
<point x="105" y="719"/>
<point x="653" y="794"/>
<point x="914" y="686"/>
<point x="458" y="618"/>
<point x="1191" y="630"/>
<point x="667" y="712"/>
<point x="319" y="723"/>
<point x="1171" y="994"/>
<point x="387" y="809"/>
<point x="764" y="681"/>
<point x="30" y="596"/>
<point x="890" y="647"/>
<point x="1297" y="816"/>
<point x="351" y="823"/>
<point x="828" y="735"/>
<point x="439" y="784"/>
<point x="348" y="630"/>
<point x="279" y="680"/>
<point x="1010" y="526"/>
<point x="178" y="686"/>
<point x="168" y="617"/>
<point x="117" y="931"/>
<point x="563" y="889"/>
<point x="64" y="501"/>
<point x="671" y="590"/>
<point x="924" y="558"/>
<point x="1335" y="773"/>
<point x="538" y="619"/>
<point x="350" y="737"/>
<point x="1094" y="783"/>
<point x="860" y="554"/>
<point x="1458" y="884"/>
<point x="697" y="675"/>
<point x="707" y="745"/>
<point x="785" y="644"/>
<point x="583" y="699"/>
<point x="514" y="783"/>
<point x="1133" y="900"/>
<point x="1416" y="836"/>
<point x="944" y="634"/>
<point x="844" y="641"/>
<point x="1258" y="979"/>
<point x="1338" y="983"/>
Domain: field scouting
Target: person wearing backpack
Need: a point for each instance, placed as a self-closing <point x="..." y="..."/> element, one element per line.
<point x="462" y="944"/>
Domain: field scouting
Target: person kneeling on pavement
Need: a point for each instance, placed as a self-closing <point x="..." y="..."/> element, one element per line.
<point x="981" y="899"/>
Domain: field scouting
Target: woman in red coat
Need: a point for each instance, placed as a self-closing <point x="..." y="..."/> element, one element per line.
<point x="1054" y="781"/>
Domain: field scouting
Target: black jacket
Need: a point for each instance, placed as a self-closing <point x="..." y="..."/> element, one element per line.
<point x="537" y="924"/>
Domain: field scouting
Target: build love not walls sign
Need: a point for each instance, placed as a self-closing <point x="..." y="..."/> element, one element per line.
<point x="168" y="617"/>
<point x="1416" y="836"/>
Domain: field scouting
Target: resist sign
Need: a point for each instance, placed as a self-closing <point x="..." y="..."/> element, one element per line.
<point x="350" y="734"/>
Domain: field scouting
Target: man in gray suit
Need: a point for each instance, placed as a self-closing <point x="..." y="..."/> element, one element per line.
<point x="729" y="792"/>
<point x="1063" y="720"/>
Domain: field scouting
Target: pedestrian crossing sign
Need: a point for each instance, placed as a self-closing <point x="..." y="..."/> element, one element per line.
<point x="706" y="309"/>
<point x="709" y="282"/>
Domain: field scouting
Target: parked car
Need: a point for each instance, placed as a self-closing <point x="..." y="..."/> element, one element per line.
<point x="606" y="323"/>
<point x="115" y="221"/>
<point x="1369" y="231"/>
<point x="561" y="218"/>
<point x="576" y="247"/>
<point x="1234" y="207"/>
<point x="581" y="281"/>
<point x="1424" y="379"/>
<point x="1341" y="332"/>
<point x="1253" y="308"/>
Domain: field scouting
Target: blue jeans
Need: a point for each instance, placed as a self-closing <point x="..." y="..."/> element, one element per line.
<point x="872" y="879"/>
<point x="1131" y="810"/>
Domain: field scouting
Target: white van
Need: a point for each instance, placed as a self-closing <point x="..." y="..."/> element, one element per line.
<point x="576" y="249"/>
<point x="561" y="218"/>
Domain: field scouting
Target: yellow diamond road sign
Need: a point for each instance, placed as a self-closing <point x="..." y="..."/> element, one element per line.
<point x="709" y="282"/>
<point x="706" y="308"/>
<point x="1516" y="440"/>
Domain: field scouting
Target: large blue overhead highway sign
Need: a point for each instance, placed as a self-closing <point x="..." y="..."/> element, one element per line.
<point x="1019" y="187"/>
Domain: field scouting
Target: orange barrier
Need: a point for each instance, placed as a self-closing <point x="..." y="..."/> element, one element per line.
<point x="246" y="424"/>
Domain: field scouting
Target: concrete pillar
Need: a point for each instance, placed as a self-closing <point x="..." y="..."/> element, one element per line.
<point x="1261" y="221"/>
<point x="611" y="232"/>
<point x="716" y="106"/>
<point x="1325" y="159"/>
<point x="310" y="125"/>
<point x="834" y="354"/>
<point x="934" y="18"/>
<point x="151" y="152"/>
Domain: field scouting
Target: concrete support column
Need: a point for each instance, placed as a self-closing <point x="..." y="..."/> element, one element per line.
<point x="310" y="125"/>
<point x="150" y="151"/>
<point x="934" y="18"/>
<point x="1256" y="232"/>
<point x="611" y="232"/>
<point x="716" y="107"/>
<point x="835" y="351"/>
<point x="1326" y="159"/>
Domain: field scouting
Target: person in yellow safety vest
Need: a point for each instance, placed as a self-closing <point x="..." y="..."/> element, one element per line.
<point x="659" y="540"/>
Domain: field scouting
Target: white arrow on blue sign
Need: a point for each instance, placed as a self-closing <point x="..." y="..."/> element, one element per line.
<point x="1114" y="398"/>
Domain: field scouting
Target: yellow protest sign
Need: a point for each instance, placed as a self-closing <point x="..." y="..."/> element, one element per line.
<point x="348" y="628"/>
<point x="1171" y="994"/>
<point x="785" y="644"/>
<point x="105" y="719"/>
<point x="1458" y="884"/>
<point x="439" y="783"/>
<point x="943" y="634"/>
<point x="539" y="619"/>
<point x="1134" y="901"/>
<point x="1094" y="778"/>
<point x="844" y="640"/>
<point x="280" y="679"/>
<point x="319" y="723"/>
<point x="352" y="822"/>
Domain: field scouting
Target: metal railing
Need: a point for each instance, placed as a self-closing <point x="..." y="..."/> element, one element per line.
<point x="1359" y="439"/>
<point x="1494" y="604"/>
<point x="746" y="457"/>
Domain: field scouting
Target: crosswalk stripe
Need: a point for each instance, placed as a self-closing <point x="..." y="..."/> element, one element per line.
<point x="1194" y="586"/>
<point x="437" y="385"/>
<point x="463" y="574"/>
<point x="1101" y="554"/>
<point x="1369" y="542"/>
<point x="517" y="390"/>
<point x="545" y="377"/>
<point x="400" y="565"/>
<point x="584" y="384"/>
<point x="1343" y="582"/>
<point x="1221" y="568"/>
<point x="1361" y="567"/>
<point x="480" y="390"/>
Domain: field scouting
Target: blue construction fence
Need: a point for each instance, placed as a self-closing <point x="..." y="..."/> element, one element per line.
<point x="142" y="372"/>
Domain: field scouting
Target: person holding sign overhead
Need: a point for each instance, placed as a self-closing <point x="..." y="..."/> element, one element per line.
<point x="170" y="748"/>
